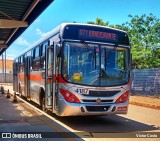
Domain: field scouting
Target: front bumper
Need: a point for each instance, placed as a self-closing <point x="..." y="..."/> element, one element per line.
<point x="82" y="109"/>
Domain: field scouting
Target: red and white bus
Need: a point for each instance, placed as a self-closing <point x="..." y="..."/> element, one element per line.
<point x="78" y="69"/>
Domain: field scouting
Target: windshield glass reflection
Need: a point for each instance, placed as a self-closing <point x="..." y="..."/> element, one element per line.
<point x="95" y="65"/>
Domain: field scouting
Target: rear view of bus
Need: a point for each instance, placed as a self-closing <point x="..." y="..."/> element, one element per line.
<point x="95" y="71"/>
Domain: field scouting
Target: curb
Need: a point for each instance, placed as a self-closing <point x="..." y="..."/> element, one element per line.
<point x="6" y="84"/>
<point x="145" y="105"/>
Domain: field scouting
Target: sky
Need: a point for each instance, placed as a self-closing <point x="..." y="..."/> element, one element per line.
<point x="82" y="11"/>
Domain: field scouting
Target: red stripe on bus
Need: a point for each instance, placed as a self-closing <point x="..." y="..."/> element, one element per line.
<point x="33" y="77"/>
<point x="38" y="77"/>
<point x="21" y="77"/>
<point x="61" y="80"/>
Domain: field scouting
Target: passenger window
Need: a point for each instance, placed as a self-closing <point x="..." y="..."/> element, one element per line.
<point x="43" y="50"/>
<point x="29" y="53"/>
<point x="36" y="59"/>
<point x="37" y="52"/>
<point x="33" y="53"/>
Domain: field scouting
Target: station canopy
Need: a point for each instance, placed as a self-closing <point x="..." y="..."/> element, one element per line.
<point x="16" y="16"/>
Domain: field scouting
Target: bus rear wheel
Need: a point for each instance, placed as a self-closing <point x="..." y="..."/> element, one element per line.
<point x="42" y="100"/>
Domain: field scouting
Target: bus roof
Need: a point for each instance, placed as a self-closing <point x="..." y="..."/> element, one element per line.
<point x="59" y="29"/>
<point x="93" y="25"/>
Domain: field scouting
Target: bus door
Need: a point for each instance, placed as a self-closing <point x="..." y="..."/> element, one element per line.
<point x="50" y="79"/>
<point x="26" y="77"/>
<point x="49" y="68"/>
<point x="15" y="76"/>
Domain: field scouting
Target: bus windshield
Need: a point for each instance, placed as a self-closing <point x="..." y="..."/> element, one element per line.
<point x="94" y="64"/>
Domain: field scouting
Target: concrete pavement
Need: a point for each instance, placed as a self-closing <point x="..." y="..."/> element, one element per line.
<point x="21" y="121"/>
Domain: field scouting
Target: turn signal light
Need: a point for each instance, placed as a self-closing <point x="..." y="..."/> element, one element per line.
<point x="68" y="96"/>
<point x="123" y="98"/>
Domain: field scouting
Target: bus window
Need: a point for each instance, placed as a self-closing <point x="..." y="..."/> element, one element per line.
<point x="80" y="61"/>
<point x="37" y="52"/>
<point x="15" y="67"/>
<point x="21" y="68"/>
<point x="36" y="59"/>
<point x="43" y="50"/>
<point x="21" y="60"/>
<point x="29" y="53"/>
<point x="120" y="60"/>
<point x="33" y="53"/>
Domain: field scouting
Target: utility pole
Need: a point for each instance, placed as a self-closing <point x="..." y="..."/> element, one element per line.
<point x="2" y="68"/>
<point x="5" y="68"/>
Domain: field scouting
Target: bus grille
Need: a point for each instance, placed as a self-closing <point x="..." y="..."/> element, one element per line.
<point x="97" y="108"/>
<point x="102" y="93"/>
<point x="109" y="101"/>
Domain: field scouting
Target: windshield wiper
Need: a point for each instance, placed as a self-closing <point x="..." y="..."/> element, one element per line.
<point x="109" y="53"/>
<point x="88" y="48"/>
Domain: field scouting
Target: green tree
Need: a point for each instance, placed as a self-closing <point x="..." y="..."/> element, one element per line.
<point x="144" y="33"/>
<point x="99" y="21"/>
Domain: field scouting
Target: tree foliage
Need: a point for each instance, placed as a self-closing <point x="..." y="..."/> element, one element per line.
<point x="99" y="21"/>
<point x="144" y="34"/>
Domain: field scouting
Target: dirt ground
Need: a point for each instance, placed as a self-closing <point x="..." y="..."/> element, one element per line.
<point x="145" y="101"/>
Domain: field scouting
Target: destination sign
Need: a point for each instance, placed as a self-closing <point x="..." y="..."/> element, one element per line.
<point x="93" y="34"/>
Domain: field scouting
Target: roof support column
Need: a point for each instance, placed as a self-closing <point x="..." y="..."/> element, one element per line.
<point x="2" y="68"/>
<point x="5" y="66"/>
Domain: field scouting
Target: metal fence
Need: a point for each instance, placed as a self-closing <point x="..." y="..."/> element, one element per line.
<point x="9" y="78"/>
<point x="146" y="82"/>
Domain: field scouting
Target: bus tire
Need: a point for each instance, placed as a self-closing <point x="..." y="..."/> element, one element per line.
<point x="42" y="100"/>
<point x="43" y="105"/>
